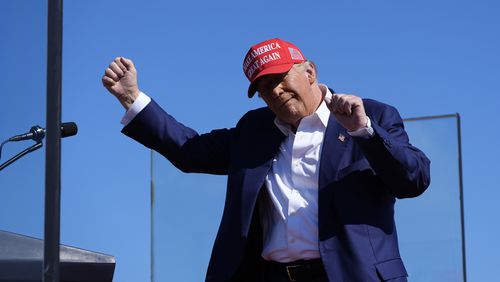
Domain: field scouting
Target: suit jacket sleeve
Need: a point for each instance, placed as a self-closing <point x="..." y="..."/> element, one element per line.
<point x="404" y="169"/>
<point x="181" y="145"/>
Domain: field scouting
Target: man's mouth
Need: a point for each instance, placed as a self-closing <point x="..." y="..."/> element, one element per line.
<point x="286" y="101"/>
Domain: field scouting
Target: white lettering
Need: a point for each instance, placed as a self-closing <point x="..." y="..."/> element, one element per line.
<point x="248" y="67"/>
<point x="253" y="68"/>
<point x="270" y="57"/>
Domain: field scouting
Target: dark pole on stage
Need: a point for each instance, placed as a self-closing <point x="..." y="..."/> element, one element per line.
<point x="53" y="142"/>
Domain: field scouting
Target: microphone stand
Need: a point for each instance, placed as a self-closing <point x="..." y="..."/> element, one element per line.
<point x="35" y="147"/>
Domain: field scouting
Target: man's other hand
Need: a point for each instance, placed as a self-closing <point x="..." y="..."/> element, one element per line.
<point x="348" y="110"/>
<point x="120" y="78"/>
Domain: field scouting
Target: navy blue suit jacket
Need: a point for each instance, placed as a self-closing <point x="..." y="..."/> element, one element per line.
<point x="359" y="180"/>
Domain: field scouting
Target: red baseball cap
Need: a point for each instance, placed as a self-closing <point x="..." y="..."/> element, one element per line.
<point x="268" y="57"/>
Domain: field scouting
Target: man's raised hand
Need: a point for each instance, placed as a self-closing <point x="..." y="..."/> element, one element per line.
<point x="348" y="110"/>
<point x="120" y="78"/>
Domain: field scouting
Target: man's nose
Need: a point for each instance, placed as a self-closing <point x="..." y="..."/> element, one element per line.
<point x="277" y="90"/>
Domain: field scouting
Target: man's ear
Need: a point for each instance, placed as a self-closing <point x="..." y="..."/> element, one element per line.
<point x="311" y="72"/>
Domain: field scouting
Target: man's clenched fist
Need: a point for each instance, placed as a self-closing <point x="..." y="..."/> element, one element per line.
<point x="120" y="78"/>
<point x="348" y="110"/>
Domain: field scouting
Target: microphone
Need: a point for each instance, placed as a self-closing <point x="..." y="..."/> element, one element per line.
<point x="37" y="133"/>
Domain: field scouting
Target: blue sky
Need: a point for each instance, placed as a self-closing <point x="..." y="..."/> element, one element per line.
<point x="424" y="57"/>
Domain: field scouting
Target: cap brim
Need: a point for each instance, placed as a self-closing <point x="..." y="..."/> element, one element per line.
<point x="269" y="70"/>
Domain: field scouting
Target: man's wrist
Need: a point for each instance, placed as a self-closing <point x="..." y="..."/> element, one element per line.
<point x="364" y="132"/>
<point x="128" y="99"/>
<point x="135" y="108"/>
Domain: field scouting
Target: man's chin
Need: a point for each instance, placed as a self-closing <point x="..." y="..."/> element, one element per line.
<point x="290" y="107"/>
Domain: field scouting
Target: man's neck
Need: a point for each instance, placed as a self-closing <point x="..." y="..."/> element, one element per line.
<point x="319" y="95"/>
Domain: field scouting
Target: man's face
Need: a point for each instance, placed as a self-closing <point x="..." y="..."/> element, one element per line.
<point x="290" y="95"/>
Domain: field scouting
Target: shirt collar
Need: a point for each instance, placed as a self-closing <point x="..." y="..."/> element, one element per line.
<point x="322" y="113"/>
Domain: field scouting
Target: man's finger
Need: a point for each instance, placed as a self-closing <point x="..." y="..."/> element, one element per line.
<point x="127" y="63"/>
<point x="116" y="69"/>
<point x="335" y="102"/>
<point x="340" y="104"/>
<point x="119" y="63"/>
<point x="112" y="74"/>
<point x="356" y="102"/>
<point x="348" y="104"/>
<point x="108" y="81"/>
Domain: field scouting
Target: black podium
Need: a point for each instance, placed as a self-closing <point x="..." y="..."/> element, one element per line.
<point x="21" y="261"/>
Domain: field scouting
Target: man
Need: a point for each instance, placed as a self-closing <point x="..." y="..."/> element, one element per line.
<point x="312" y="177"/>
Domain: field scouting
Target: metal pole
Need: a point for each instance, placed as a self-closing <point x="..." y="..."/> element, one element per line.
<point x="53" y="151"/>
<point x="152" y="245"/>
<point x="461" y="186"/>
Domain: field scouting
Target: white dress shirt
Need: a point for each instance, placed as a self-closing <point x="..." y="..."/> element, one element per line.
<point x="290" y="212"/>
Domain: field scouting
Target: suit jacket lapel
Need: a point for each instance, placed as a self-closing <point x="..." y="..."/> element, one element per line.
<point x="335" y="144"/>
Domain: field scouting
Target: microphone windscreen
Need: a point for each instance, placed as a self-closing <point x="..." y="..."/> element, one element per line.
<point x="68" y="129"/>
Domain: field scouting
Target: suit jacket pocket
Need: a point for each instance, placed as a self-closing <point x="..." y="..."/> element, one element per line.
<point x="354" y="167"/>
<point x="391" y="269"/>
